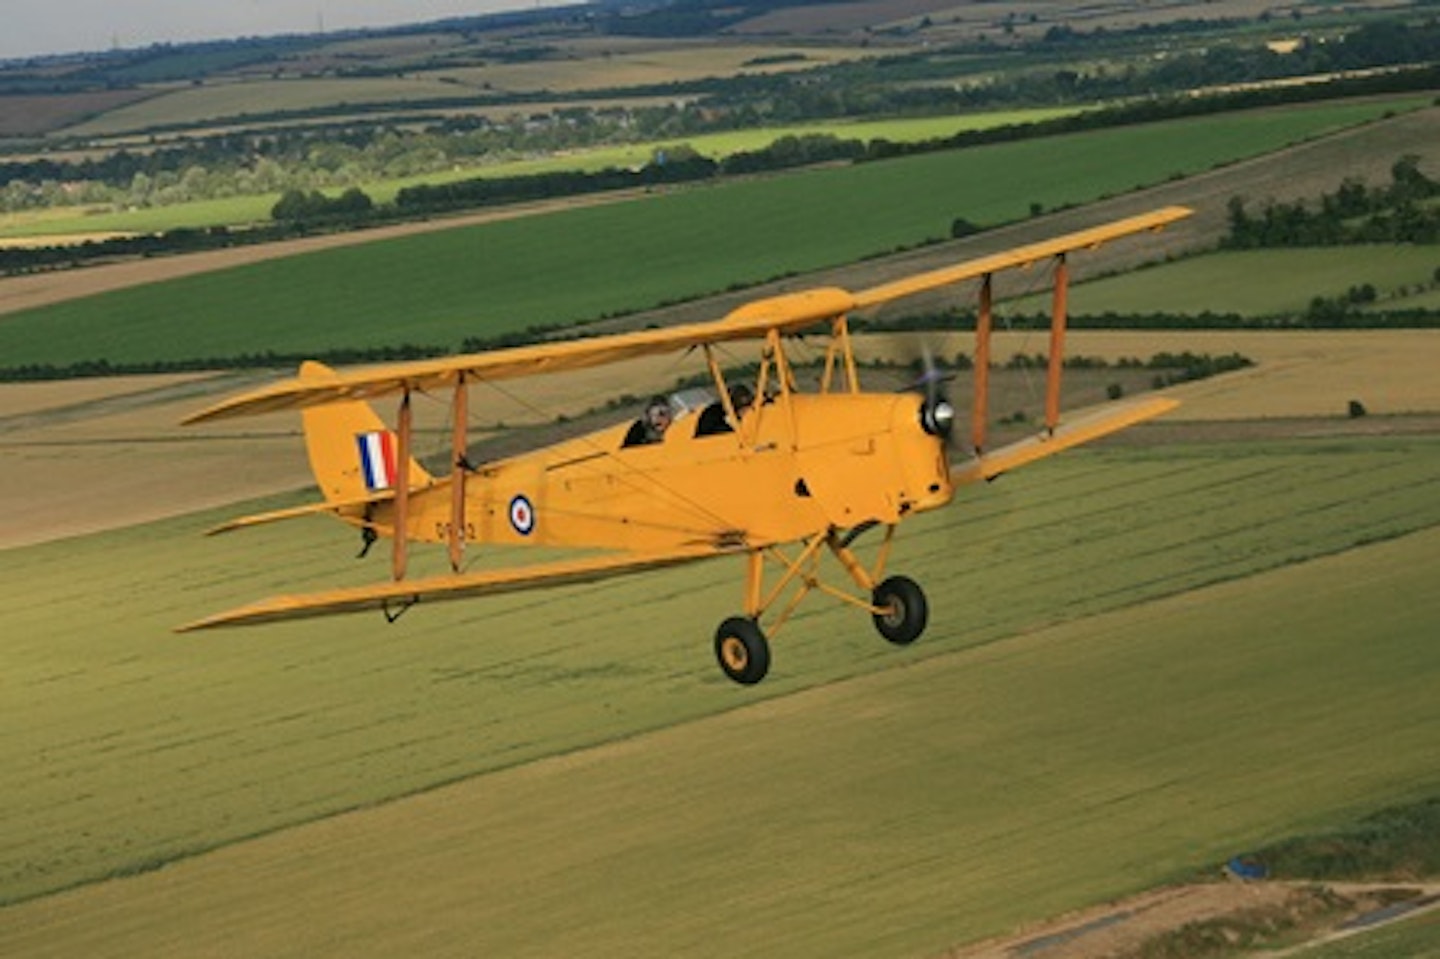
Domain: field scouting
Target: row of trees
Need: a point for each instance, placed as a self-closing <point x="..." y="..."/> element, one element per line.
<point x="1400" y="212"/>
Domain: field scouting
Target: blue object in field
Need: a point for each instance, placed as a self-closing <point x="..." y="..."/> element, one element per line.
<point x="1243" y="867"/>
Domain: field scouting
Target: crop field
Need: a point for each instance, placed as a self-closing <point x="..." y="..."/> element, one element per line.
<point x="646" y="67"/>
<point x="568" y="267"/>
<point x="1271" y="282"/>
<point x="997" y="772"/>
<point x="193" y="105"/>
<point x="28" y="115"/>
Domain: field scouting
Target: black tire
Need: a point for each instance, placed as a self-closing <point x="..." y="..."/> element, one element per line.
<point x="909" y="612"/>
<point x="742" y="650"/>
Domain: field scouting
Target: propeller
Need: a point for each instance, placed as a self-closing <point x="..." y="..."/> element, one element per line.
<point x="937" y="413"/>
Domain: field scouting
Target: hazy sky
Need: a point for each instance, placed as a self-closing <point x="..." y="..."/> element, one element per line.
<point x="29" y="27"/>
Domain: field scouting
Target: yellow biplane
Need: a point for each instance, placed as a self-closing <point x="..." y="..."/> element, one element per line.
<point x="762" y="468"/>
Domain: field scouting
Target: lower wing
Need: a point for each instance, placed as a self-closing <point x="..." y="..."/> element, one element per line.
<point x="395" y="597"/>
<point x="1082" y="429"/>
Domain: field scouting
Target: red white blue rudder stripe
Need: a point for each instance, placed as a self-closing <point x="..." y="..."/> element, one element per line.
<point x="377" y="459"/>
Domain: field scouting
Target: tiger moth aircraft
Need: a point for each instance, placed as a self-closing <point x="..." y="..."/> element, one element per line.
<point x="768" y="473"/>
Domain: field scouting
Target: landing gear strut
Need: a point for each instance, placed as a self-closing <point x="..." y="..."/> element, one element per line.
<point x="897" y="604"/>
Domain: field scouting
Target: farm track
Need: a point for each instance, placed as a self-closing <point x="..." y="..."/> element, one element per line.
<point x="1300" y="171"/>
<point x="1123" y="927"/>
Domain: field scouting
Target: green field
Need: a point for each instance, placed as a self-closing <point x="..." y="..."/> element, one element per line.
<point x="1035" y="775"/>
<point x="583" y="264"/>
<point x="1255" y="282"/>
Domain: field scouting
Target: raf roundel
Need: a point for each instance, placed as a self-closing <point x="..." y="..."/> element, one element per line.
<point x="522" y="515"/>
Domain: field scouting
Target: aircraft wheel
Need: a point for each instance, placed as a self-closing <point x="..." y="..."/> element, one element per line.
<point x="743" y="650"/>
<point x="907" y="612"/>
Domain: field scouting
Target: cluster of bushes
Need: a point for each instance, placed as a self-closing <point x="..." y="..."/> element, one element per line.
<point x="1179" y="367"/>
<point x="298" y="206"/>
<point x="481" y="191"/>
<point x="1398" y="213"/>
<point x="17" y="260"/>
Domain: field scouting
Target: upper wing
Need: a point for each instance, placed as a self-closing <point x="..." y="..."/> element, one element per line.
<point x="790" y="313"/>
<point x="398" y="595"/>
<point x="1083" y="428"/>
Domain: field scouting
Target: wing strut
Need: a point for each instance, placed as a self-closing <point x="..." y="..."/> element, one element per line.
<point x="980" y="412"/>
<point x="402" y="490"/>
<point x="460" y="413"/>
<point x="1057" y="344"/>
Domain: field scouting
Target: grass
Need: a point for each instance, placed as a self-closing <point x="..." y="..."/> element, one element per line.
<point x="567" y="267"/>
<point x="1417" y="938"/>
<point x="1255" y="282"/>
<point x="127" y="747"/>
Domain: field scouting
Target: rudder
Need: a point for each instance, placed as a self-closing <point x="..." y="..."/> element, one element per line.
<point x="352" y="452"/>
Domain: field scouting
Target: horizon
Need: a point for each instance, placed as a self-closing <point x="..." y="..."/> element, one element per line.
<point x="78" y="27"/>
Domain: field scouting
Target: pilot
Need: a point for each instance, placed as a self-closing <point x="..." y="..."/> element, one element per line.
<point x="651" y="427"/>
<point x="712" y="418"/>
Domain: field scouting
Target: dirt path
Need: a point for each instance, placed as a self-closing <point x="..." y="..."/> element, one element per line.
<point x="1122" y="928"/>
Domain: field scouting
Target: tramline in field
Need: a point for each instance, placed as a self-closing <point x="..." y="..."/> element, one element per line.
<point x="753" y="472"/>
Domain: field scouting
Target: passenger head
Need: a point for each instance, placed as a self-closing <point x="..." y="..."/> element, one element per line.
<point x="657" y="413"/>
<point x="741" y="397"/>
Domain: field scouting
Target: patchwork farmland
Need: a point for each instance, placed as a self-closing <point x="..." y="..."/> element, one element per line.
<point x="1144" y="658"/>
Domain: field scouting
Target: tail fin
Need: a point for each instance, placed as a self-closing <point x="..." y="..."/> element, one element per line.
<point x="352" y="452"/>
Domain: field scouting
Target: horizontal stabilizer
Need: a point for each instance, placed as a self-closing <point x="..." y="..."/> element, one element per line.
<point x="393" y="597"/>
<point x="294" y="512"/>
<point x="1086" y="427"/>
